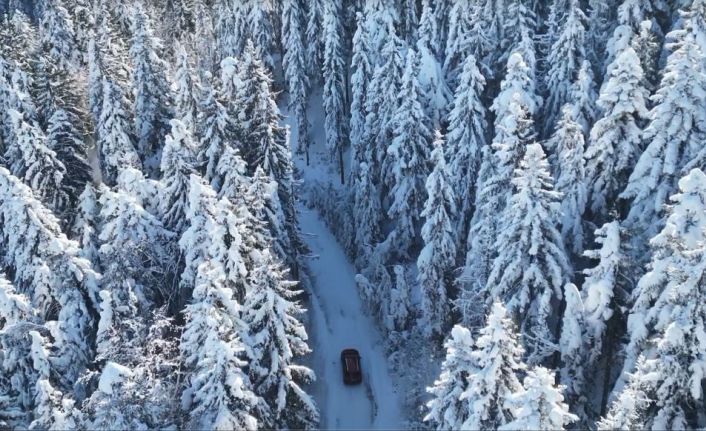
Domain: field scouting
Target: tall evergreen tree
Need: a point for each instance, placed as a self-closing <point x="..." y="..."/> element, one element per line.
<point x="569" y="166"/>
<point x="178" y="164"/>
<point x="461" y="37"/>
<point x="314" y="30"/>
<point x="57" y="36"/>
<point x="30" y="159"/>
<point x="606" y="296"/>
<point x="466" y="138"/>
<point x="231" y="27"/>
<point x="294" y="63"/>
<point x="600" y="22"/>
<point x="368" y="211"/>
<point x="362" y="73"/>
<point x="220" y="393"/>
<point x="531" y="267"/>
<point x="153" y="106"/>
<point x="540" y="405"/>
<point x="270" y="314"/>
<point x="381" y="101"/>
<point x="187" y="91"/>
<point x="115" y="141"/>
<point x="666" y="320"/>
<point x="405" y="167"/>
<point x="615" y="140"/>
<point x="47" y="268"/>
<point x="498" y="360"/>
<point x="481" y="236"/>
<point x="572" y="349"/>
<point x="126" y="227"/>
<point x="334" y="83"/>
<point x="583" y="98"/>
<point x="216" y="131"/>
<point x="262" y="30"/>
<point x="448" y="409"/>
<point x="565" y="59"/>
<point x="439" y="252"/>
<point x="85" y="224"/>
<point x="676" y="125"/>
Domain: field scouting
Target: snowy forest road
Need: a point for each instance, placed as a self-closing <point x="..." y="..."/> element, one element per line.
<point x="338" y="322"/>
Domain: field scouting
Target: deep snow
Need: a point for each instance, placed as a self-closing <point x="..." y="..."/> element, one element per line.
<point x="338" y="322"/>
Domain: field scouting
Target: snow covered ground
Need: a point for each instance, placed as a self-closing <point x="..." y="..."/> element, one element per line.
<point x="338" y="322"/>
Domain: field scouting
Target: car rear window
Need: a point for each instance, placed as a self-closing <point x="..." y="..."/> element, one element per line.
<point x="352" y="364"/>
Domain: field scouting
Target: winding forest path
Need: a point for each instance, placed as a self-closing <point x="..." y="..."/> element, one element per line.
<point x="338" y="322"/>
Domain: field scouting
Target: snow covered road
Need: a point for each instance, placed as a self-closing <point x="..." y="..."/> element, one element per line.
<point x="338" y="321"/>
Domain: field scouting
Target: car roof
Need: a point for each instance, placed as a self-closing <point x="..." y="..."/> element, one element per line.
<point x="352" y="364"/>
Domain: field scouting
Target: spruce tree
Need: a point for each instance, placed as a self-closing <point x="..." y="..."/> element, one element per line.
<point x="46" y="266"/>
<point x="600" y="22"/>
<point x="334" y="83"/>
<point x="629" y="408"/>
<point x="531" y="266"/>
<point x="127" y="227"/>
<point x="57" y="36"/>
<point x="448" y="409"/>
<point x="263" y="197"/>
<point x="68" y="144"/>
<point x="216" y="133"/>
<point x="565" y="59"/>
<point x="211" y="345"/>
<point x="314" y="30"/>
<point x="187" y="91"/>
<point x="567" y="144"/>
<point x="666" y="319"/>
<point x="606" y="296"/>
<point x="368" y="211"/>
<point x="19" y="39"/>
<point x="615" y="140"/>
<point x="270" y="314"/>
<point x="115" y="140"/>
<point x="405" y="166"/>
<point x="583" y="98"/>
<point x="497" y="357"/>
<point x="460" y="39"/>
<point x="572" y="349"/>
<point x="675" y="127"/>
<point x="262" y="30"/>
<point x="294" y="63"/>
<point x="362" y="72"/>
<point x="399" y="310"/>
<point x="428" y="33"/>
<point x="30" y="159"/>
<point x="265" y="142"/>
<point x="481" y="237"/>
<point x="466" y="138"/>
<point x="540" y="405"/>
<point x="178" y="163"/>
<point x="439" y="253"/>
<point x="153" y="106"/>
<point x="519" y="28"/>
<point x="85" y="224"/>
<point x="381" y="101"/>
<point x="231" y="27"/>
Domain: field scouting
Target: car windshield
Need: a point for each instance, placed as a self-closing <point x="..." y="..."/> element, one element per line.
<point x="352" y="364"/>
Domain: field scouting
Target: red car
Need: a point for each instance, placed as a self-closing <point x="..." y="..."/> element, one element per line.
<point x="350" y="360"/>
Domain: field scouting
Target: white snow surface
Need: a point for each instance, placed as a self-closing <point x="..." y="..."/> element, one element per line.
<point x="339" y="322"/>
<point x="112" y="374"/>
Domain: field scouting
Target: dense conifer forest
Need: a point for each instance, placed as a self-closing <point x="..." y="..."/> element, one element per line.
<point x="512" y="192"/>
